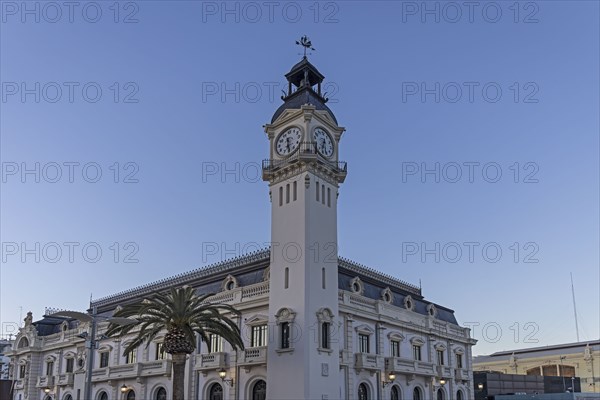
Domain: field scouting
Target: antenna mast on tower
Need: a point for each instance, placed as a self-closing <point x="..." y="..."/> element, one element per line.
<point x="574" y="308"/>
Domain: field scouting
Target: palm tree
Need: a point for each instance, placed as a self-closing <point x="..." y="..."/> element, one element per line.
<point x="183" y="314"/>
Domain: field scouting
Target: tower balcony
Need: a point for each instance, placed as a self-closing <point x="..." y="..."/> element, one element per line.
<point x="210" y="361"/>
<point x="307" y="154"/>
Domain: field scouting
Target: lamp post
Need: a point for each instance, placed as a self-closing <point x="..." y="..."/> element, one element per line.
<point x="391" y="377"/>
<point x="91" y="341"/>
<point x="222" y="375"/>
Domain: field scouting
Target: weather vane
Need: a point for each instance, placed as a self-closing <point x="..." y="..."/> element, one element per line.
<point x="306" y="43"/>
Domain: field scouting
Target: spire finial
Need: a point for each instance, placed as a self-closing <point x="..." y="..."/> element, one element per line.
<point x="306" y="43"/>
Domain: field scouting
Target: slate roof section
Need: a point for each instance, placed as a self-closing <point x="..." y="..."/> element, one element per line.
<point x="299" y="98"/>
<point x="250" y="269"/>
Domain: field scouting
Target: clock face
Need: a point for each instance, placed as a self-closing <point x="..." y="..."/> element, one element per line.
<point x="288" y="141"/>
<point x="323" y="142"/>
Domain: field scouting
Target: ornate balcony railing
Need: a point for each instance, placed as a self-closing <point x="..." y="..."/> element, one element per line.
<point x="307" y="151"/>
<point x="368" y="361"/>
<point x="211" y="361"/>
<point x="255" y="355"/>
<point x="44" y="381"/>
<point x="65" y="379"/>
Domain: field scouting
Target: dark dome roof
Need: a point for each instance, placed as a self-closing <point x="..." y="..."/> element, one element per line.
<point x="300" y="98"/>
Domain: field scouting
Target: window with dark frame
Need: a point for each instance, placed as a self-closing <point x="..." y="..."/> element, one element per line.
<point x="22" y="370"/>
<point x="417" y="352"/>
<point x="440" y="357"/>
<point x="104" y="359"/>
<point x="285" y="335"/>
<point x="49" y="368"/>
<point x="259" y="336"/>
<point x="160" y="354"/>
<point x="459" y="363"/>
<point x="325" y="343"/>
<point x="215" y="343"/>
<point x="395" y="348"/>
<point x="131" y="357"/>
<point x="363" y="343"/>
<point x="70" y="365"/>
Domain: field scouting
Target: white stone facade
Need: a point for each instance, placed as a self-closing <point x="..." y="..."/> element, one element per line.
<point x="315" y="326"/>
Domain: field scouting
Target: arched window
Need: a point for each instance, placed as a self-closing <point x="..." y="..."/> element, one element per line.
<point x="363" y="392"/>
<point x="161" y="394"/>
<point x="131" y="395"/>
<point x="103" y="396"/>
<point x="417" y="394"/>
<point x="259" y="390"/>
<point x="440" y="394"/>
<point x="395" y="395"/>
<point x="459" y="395"/>
<point x="215" y="392"/>
<point x="68" y="397"/>
<point x="23" y="343"/>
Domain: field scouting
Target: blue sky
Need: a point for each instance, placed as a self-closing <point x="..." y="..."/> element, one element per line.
<point x="186" y="87"/>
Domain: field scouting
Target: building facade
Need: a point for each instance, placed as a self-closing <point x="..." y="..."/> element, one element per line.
<point x="315" y="325"/>
<point x="580" y="359"/>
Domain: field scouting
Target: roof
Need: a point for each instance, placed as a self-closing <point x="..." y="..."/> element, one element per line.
<point x="541" y="351"/>
<point x="299" y="98"/>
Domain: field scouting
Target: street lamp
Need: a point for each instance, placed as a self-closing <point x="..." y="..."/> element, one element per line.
<point x="222" y="375"/>
<point x="480" y="386"/>
<point x="391" y="377"/>
<point x="442" y="381"/>
<point x="91" y="341"/>
<point x="124" y="389"/>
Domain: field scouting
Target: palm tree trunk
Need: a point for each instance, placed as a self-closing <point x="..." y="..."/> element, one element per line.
<point x="179" y="376"/>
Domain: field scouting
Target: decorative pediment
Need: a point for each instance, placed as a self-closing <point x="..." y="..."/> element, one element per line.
<point x="285" y="315"/>
<point x="417" y="341"/>
<point x="70" y="354"/>
<point x="396" y="335"/>
<point x="365" y="329"/>
<point x="459" y="350"/>
<point x="106" y="347"/>
<point x="440" y="347"/>
<point x="325" y="315"/>
<point x="257" y="319"/>
<point x="49" y="358"/>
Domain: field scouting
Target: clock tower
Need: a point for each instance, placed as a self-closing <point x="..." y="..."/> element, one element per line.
<point x="304" y="173"/>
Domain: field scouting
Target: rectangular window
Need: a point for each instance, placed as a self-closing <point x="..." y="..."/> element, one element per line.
<point x="317" y="186"/>
<point x="440" y="357"/>
<point x="21" y="371"/>
<point x="395" y="348"/>
<point x="131" y="357"/>
<point x="323" y="277"/>
<point x="363" y="343"/>
<point x="287" y="193"/>
<point x="259" y="336"/>
<point x="417" y="352"/>
<point x="160" y="354"/>
<point x="285" y="335"/>
<point x="459" y="361"/>
<point x="104" y="359"/>
<point x="295" y="190"/>
<point x="286" y="278"/>
<point x="325" y="335"/>
<point x="49" y="368"/>
<point x="280" y="196"/>
<point x="328" y="197"/>
<point x="69" y="366"/>
<point x="215" y="344"/>
<point x="322" y="194"/>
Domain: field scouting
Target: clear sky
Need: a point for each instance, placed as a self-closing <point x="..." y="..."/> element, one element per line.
<point x="163" y="97"/>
